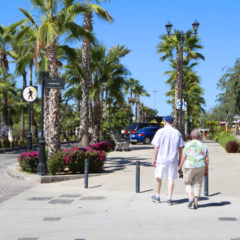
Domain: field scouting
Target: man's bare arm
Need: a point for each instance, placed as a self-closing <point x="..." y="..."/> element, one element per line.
<point x="155" y="153"/>
<point x="179" y="155"/>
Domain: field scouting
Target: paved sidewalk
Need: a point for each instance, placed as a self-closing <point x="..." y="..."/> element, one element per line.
<point x="110" y="209"/>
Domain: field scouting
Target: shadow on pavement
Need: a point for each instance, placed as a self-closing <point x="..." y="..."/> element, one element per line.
<point x="143" y="147"/>
<point x="95" y="186"/>
<point x="117" y="163"/>
<point x="214" y="194"/>
<point x="185" y="200"/>
<point x="149" y="190"/>
<point x="215" y="204"/>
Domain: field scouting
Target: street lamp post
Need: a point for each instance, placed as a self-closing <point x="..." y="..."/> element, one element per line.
<point x="182" y="39"/>
<point x="41" y="168"/>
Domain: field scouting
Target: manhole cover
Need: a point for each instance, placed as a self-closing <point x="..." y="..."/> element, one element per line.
<point x="61" y="201"/>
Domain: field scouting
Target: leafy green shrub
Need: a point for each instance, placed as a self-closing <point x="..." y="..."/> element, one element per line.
<point x="225" y="137"/>
<point x="28" y="161"/>
<point x="5" y="143"/>
<point x="56" y="163"/>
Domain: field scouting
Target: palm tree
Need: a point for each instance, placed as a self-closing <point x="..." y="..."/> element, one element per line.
<point x="167" y="47"/>
<point x="192" y="92"/>
<point x="6" y="35"/>
<point x="56" y="20"/>
<point x="139" y="91"/>
<point x="130" y="87"/>
<point x="108" y="80"/>
<point x="86" y="52"/>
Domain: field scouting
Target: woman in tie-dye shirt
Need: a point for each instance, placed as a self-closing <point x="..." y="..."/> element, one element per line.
<point x="195" y="161"/>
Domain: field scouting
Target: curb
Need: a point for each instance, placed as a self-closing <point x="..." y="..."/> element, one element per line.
<point x="15" y="172"/>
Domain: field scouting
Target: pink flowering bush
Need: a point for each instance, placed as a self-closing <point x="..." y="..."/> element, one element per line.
<point x="103" y="146"/>
<point x="68" y="161"/>
<point x="28" y="161"/>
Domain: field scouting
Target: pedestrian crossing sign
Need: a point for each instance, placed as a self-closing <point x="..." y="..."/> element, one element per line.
<point x="30" y="93"/>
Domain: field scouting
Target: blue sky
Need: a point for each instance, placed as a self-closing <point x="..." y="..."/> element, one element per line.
<point x="138" y="25"/>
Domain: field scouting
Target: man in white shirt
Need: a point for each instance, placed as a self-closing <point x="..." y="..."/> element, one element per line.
<point x="168" y="144"/>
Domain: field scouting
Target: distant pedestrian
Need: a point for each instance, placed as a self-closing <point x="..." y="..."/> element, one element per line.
<point x="195" y="161"/>
<point x="168" y="144"/>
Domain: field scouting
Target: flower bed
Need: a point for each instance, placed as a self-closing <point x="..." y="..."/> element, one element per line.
<point x="104" y="146"/>
<point x="67" y="161"/>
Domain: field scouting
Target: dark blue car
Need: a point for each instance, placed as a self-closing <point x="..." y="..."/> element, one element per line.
<point x="144" y="135"/>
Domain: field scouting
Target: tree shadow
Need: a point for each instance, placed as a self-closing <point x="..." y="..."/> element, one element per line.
<point x="118" y="163"/>
<point x="142" y="147"/>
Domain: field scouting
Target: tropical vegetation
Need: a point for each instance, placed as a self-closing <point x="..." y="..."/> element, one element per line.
<point x="51" y="40"/>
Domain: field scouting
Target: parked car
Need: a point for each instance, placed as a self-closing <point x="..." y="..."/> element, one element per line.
<point x="134" y="127"/>
<point x="144" y="135"/>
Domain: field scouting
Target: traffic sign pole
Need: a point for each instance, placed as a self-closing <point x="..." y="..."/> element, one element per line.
<point x="29" y="136"/>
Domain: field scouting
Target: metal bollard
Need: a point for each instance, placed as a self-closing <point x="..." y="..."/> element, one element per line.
<point x="86" y="173"/>
<point x="137" y="176"/>
<point x="206" y="185"/>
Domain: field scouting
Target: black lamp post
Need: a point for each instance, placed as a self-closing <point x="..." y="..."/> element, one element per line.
<point x="182" y="39"/>
<point x="41" y="168"/>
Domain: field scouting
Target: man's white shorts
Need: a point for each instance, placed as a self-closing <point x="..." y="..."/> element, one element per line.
<point x="170" y="169"/>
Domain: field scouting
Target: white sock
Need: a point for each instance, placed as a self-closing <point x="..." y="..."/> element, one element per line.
<point x="158" y="195"/>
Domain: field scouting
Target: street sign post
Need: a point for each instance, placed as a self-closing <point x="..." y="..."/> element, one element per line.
<point x="54" y="83"/>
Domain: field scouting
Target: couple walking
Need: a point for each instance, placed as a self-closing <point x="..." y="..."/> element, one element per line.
<point x="170" y="156"/>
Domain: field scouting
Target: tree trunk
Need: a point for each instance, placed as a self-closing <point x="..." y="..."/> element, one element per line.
<point x="53" y="116"/>
<point x="5" y="108"/>
<point x="97" y="118"/>
<point x="85" y="83"/>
